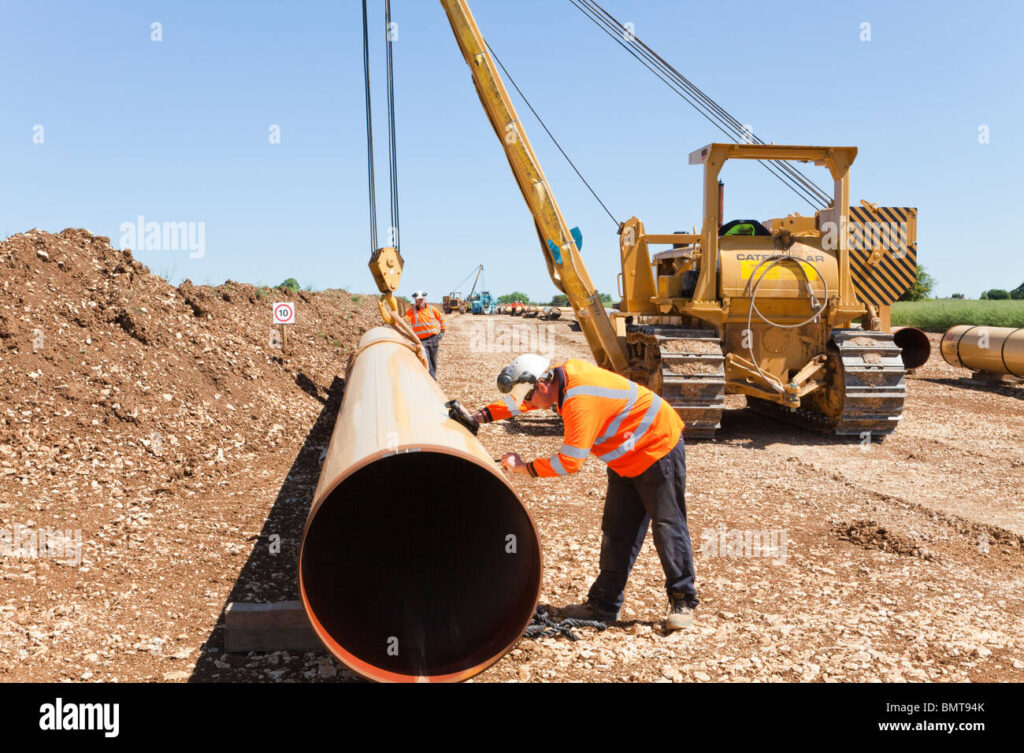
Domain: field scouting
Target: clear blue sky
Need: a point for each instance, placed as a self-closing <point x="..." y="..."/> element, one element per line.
<point x="178" y="130"/>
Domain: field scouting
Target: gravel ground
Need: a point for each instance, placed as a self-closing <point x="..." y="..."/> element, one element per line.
<point x="167" y="426"/>
<point x="903" y="559"/>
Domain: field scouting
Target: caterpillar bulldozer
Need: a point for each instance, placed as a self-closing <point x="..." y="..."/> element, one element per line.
<point x="791" y="312"/>
<point x="453" y="302"/>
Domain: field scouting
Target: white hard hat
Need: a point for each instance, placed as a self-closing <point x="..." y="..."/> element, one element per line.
<point x="419" y="294"/>
<point x="521" y="376"/>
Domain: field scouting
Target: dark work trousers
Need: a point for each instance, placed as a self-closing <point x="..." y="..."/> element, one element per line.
<point x="659" y="495"/>
<point x="430" y="345"/>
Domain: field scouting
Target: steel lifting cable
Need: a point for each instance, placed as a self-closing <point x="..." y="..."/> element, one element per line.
<point x="458" y="288"/>
<point x="793" y="173"/>
<point x="794" y="178"/>
<point x="707" y="107"/>
<point x="369" y="131"/>
<point x="770" y="166"/>
<point x="551" y="135"/>
<point x="392" y="145"/>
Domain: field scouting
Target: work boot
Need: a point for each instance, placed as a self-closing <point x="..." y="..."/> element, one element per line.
<point x="587" y="611"/>
<point x="680" y="614"/>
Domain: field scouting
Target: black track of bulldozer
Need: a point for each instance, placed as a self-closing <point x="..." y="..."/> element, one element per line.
<point x="865" y="394"/>
<point x="687" y="368"/>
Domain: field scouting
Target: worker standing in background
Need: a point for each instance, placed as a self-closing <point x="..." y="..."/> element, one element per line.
<point x="640" y="438"/>
<point x="428" y="324"/>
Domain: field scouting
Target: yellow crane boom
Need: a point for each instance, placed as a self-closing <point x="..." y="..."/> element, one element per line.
<point x="565" y="265"/>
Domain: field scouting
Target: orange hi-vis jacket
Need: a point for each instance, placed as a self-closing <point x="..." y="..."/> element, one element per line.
<point x="625" y="425"/>
<point x="425" y="323"/>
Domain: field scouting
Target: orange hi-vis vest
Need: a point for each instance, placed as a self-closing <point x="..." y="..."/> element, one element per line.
<point x="425" y="323"/>
<point x="616" y="420"/>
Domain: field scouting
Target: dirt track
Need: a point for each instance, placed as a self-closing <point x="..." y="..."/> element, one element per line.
<point x="903" y="560"/>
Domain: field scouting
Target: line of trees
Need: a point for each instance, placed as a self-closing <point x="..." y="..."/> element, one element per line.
<point x="516" y="297"/>
<point x="998" y="294"/>
<point x="557" y="300"/>
<point x="923" y="285"/>
<point x="563" y="300"/>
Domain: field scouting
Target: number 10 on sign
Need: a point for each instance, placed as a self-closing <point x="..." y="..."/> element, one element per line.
<point x="284" y="314"/>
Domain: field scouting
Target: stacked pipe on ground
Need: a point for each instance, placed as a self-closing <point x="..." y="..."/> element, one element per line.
<point x="990" y="350"/>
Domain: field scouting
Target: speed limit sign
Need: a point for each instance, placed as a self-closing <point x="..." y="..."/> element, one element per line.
<point x="284" y="313"/>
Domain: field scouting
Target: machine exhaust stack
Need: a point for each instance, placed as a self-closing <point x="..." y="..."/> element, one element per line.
<point x="418" y="561"/>
<point x="721" y="203"/>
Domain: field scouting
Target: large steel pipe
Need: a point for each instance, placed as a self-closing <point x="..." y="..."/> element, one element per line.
<point x="914" y="346"/>
<point x="418" y="561"/>
<point x="999" y="350"/>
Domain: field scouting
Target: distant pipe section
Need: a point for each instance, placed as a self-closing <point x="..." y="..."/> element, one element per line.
<point x="997" y="350"/>
<point x="914" y="344"/>
<point x="418" y="561"/>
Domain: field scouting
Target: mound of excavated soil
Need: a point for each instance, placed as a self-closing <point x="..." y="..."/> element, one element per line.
<point x="158" y="380"/>
<point x="135" y="412"/>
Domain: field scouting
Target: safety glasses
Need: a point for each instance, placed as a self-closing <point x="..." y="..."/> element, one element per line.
<point x="523" y="392"/>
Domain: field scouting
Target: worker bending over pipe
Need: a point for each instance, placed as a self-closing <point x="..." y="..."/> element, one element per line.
<point x="640" y="437"/>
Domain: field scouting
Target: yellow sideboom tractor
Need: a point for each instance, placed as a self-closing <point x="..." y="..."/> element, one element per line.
<point x="792" y="312"/>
